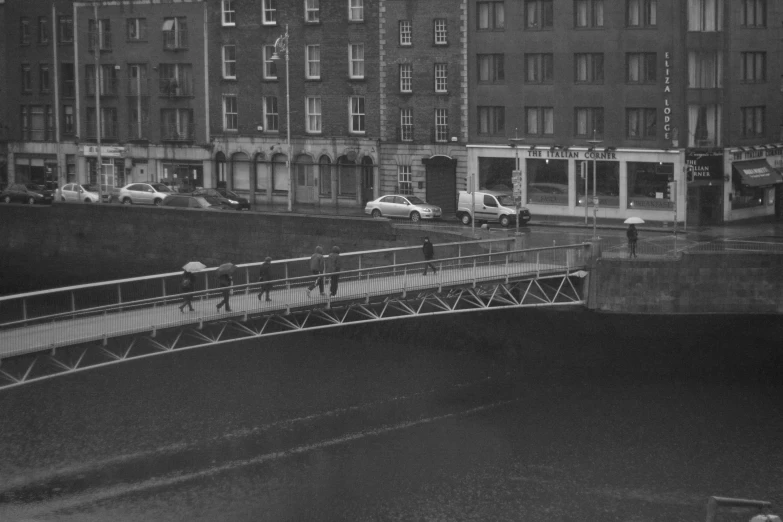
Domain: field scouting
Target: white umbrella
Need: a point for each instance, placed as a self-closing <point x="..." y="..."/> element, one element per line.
<point x="194" y="266"/>
<point x="634" y="221"/>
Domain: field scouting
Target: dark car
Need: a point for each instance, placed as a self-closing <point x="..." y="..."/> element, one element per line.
<point x="27" y="193"/>
<point x="196" y="202"/>
<point x="228" y="198"/>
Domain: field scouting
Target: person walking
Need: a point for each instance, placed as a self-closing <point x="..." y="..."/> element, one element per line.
<point x="333" y="266"/>
<point x="265" y="274"/>
<point x="225" y="282"/>
<point x="187" y="285"/>
<point x="429" y="253"/>
<point x="317" y="268"/>
<point x="632" y="235"/>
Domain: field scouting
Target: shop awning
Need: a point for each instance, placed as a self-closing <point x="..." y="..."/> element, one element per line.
<point x="757" y="173"/>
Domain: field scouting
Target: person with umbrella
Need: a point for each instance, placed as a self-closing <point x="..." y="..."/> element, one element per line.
<point x="632" y="235"/>
<point x="225" y="281"/>
<point x="265" y="274"/>
<point x="186" y="286"/>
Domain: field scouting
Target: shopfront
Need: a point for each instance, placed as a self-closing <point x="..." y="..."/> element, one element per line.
<point x="35" y="168"/>
<point x="753" y="187"/>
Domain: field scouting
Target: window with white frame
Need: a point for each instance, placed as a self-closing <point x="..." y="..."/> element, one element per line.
<point x="229" y="14"/>
<point x="357" y="114"/>
<point x="230" y="113"/>
<point x="313" y="107"/>
<point x="405" y="179"/>
<point x="441" y="77"/>
<point x="406" y="124"/>
<point x="754" y="13"/>
<point x="642" y="13"/>
<point x="230" y="62"/>
<point x="313" y="62"/>
<point x="752" y="122"/>
<point x="269" y="12"/>
<point x="270" y="67"/>
<point x="540" y="121"/>
<point x="705" y="69"/>
<point x="356" y="10"/>
<point x="439" y="30"/>
<point x="406" y="77"/>
<point x="441" y="125"/>
<point x="704" y="125"/>
<point x="705" y="15"/>
<point x="356" y="57"/>
<point x="271" y="116"/>
<point x="406" y="32"/>
<point x="754" y="67"/>
<point x="312" y="11"/>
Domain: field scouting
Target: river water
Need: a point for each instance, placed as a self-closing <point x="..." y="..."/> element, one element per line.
<point x="487" y="416"/>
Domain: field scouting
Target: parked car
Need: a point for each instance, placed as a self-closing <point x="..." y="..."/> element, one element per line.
<point x="29" y="193"/>
<point x="226" y="197"/>
<point x="194" y="202"/>
<point x="76" y="192"/>
<point x="144" y="193"/>
<point x="491" y="207"/>
<point x="397" y="206"/>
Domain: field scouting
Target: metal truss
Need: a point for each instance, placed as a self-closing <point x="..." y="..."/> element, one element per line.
<point x="558" y="290"/>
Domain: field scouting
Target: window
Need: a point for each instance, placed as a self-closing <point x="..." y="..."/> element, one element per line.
<point x="539" y="67"/>
<point x="441" y="125"/>
<point x="229" y="14"/>
<point x="24" y="31"/>
<point x="44" y="83"/>
<point x="441" y="77"/>
<point x="704" y="125"/>
<point x="540" y="121"/>
<point x="356" y="10"/>
<point x="490" y="16"/>
<point x="705" y="70"/>
<point x="705" y="15"/>
<point x="589" y="122"/>
<point x="491" y="120"/>
<point x="176" y="79"/>
<point x="70" y="168"/>
<point x="43" y="30"/>
<point x="313" y="107"/>
<point x="490" y="68"/>
<point x="754" y="13"/>
<point x="313" y="62"/>
<point x="177" y="125"/>
<point x="271" y="117"/>
<point x="175" y="33"/>
<point x="108" y="123"/>
<point x="99" y="34"/>
<point x="588" y="13"/>
<point x="641" y="123"/>
<point x="230" y="62"/>
<point x="404" y="179"/>
<point x="325" y="176"/>
<point x="754" y="67"/>
<point x="356" y="56"/>
<point x="269" y="12"/>
<point x="137" y="80"/>
<point x="406" y="124"/>
<point x="136" y="29"/>
<point x="641" y="68"/>
<point x="441" y="35"/>
<point x="270" y="67"/>
<point x="642" y="13"/>
<point x="138" y="115"/>
<point x="27" y="78"/>
<point x="346" y="177"/>
<point x="230" y="113"/>
<point x="357" y="114"/>
<point x="69" y="80"/>
<point x="65" y="28"/>
<point x="25" y="122"/>
<point x="589" y="68"/>
<point x="312" y="11"/>
<point x="36" y="125"/>
<point x="539" y="14"/>
<point x="752" y="122"/>
<point x="406" y="36"/>
<point x="406" y="76"/>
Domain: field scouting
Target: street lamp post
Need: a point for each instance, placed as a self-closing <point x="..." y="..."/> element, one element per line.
<point x="514" y="143"/>
<point x="593" y="144"/>
<point x="281" y="45"/>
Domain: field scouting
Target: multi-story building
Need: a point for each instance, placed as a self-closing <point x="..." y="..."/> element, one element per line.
<point x="423" y="107"/>
<point x="3" y="106"/>
<point x="654" y="106"/>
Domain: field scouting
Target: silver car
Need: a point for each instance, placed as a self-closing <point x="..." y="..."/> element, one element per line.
<point x="144" y="193"/>
<point x="407" y="207"/>
<point x="76" y="192"/>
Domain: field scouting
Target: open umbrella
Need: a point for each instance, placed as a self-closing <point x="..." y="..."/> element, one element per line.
<point x="194" y="266"/>
<point x="226" y="268"/>
<point x="634" y="221"/>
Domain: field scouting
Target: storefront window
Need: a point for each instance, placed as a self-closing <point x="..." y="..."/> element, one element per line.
<point x="280" y="173"/>
<point x="346" y="177"/>
<point x="547" y="181"/>
<point x="325" y="176"/>
<point x="240" y="171"/>
<point x="607" y="183"/>
<point x="648" y="185"/>
<point x="747" y="197"/>
<point x="495" y="173"/>
<point x="262" y="174"/>
<point x="182" y="177"/>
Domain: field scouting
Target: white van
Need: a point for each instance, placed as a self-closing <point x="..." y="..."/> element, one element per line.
<point x="492" y="206"/>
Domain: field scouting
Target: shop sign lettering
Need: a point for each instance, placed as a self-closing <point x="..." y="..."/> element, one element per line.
<point x="667" y="91"/>
<point x="708" y="167"/>
<point x="572" y="154"/>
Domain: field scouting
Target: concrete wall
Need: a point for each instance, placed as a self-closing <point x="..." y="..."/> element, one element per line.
<point x="696" y="283"/>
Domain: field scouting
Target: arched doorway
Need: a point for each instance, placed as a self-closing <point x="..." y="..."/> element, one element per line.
<point x="240" y="171"/>
<point x="441" y="180"/>
<point x="346" y="177"/>
<point x="279" y="174"/>
<point x="220" y="170"/>
<point x="368" y="180"/>
<point x="306" y="181"/>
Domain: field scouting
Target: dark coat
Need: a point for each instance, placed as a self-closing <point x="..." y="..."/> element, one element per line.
<point x="225" y="280"/>
<point x="333" y="263"/>
<point x="188" y="283"/>
<point x="428" y="250"/>
<point x="265" y="272"/>
<point x="632" y="233"/>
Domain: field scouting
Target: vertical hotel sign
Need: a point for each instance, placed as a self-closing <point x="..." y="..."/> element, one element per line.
<point x="669" y="133"/>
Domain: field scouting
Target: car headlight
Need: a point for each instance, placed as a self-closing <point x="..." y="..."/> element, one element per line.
<point x="232" y="201"/>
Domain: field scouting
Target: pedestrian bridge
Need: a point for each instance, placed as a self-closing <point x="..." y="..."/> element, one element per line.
<point x="64" y="330"/>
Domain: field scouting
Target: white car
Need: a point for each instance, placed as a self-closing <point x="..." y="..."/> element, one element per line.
<point x="77" y="193"/>
<point x="144" y="193"/>
<point x="408" y="207"/>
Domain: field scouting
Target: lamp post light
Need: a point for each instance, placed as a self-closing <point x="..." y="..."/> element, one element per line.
<point x="593" y="144"/>
<point x="281" y="45"/>
<point x="517" y="182"/>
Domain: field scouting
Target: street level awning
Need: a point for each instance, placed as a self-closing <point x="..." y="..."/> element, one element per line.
<point x="757" y="173"/>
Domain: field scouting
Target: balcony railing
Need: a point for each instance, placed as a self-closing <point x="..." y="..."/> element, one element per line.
<point x="174" y="88"/>
<point x="175" y="39"/>
<point x="109" y="130"/>
<point x="173" y="132"/>
<point x="102" y="38"/>
<point x="139" y="130"/>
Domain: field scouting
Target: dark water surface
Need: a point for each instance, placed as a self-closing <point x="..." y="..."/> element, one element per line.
<point x="527" y="415"/>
